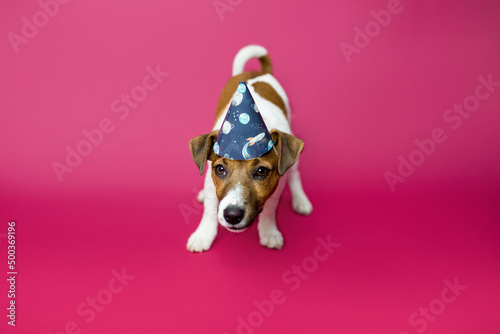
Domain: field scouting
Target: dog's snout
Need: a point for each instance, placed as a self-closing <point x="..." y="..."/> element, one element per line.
<point x="233" y="215"/>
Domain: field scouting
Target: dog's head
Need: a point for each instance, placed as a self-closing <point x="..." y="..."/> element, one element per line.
<point x="243" y="186"/>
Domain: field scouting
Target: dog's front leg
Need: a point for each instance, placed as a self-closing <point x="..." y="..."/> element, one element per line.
<point x="269" y="234"/>
<point x="202" y="238"/>
<point x="300" y="202"/>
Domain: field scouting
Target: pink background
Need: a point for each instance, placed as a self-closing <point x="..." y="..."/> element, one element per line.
<point x="123" y="205"/>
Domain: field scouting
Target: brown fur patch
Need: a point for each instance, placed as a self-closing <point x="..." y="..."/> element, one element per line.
<point x="201" y="148"/>
<point x="265" y="63"/>
<point x="289" y="147"/>
<point x="269" y="93"/>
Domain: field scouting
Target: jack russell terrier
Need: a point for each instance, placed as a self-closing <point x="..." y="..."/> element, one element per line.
<point x="250" y="147"/>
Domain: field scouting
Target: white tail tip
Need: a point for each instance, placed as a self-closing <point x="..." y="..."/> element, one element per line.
<point x="244" y="55"/>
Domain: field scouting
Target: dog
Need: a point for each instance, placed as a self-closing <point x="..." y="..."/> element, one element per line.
<point x="236" y="192"/>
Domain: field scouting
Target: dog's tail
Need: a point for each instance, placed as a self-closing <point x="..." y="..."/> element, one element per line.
<point x="249" y="52"/>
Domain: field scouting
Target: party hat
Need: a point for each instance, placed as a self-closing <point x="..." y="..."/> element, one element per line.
<point x="243" y="134"/>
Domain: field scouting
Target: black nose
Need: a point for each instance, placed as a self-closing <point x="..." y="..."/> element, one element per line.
<point x="233" y="215"/>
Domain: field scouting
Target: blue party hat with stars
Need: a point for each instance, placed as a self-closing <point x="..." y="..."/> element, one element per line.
<point x="243" y="134"/>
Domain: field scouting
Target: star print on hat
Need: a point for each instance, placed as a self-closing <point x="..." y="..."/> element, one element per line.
<point x="243" y="134"/>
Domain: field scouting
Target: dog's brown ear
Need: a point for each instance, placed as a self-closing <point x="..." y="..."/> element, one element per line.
<point x="288" y="147"/>
<point x="201" y="148"/>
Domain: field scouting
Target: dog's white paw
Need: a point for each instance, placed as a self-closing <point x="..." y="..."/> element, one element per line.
<point x="200" y="241"/>
<point x="302" y="205"/>
<point x="271" y="239"/>
<point x="201" y="196"/>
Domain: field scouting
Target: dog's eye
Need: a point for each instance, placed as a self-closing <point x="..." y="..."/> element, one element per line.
<point x="220" y="170"/>
<point x="261" y="172"/>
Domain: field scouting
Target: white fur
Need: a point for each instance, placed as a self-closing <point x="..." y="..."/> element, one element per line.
<point x="269" y="234"/>
<point x="244" y="55"/>
<point x="234" y="197"/>
<point x="202" y="238"/>
<point x="300" y="202"/>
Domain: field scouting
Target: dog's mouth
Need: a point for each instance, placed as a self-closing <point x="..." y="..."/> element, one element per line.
<point x="236" y="229"/>
<point x="242" y="226"/>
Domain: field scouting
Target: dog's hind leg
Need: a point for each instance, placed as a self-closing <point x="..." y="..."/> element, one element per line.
<point x="201" y="239"/>
<point x="300" y="202"/>
<point x="201" y="196"/>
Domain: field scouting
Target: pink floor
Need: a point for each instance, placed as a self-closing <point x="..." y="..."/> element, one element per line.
<point x="402" y="165"/>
